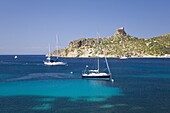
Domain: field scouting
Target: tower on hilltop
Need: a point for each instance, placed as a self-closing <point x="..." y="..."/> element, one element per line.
<point x="120" y="31"/>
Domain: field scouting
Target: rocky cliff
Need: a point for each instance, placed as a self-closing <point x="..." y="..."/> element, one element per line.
<point x="120" y="44"/>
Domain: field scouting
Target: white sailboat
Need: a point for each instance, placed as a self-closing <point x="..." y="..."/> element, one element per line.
<point x="51" y="62"/>
<point x="97" y="74"/>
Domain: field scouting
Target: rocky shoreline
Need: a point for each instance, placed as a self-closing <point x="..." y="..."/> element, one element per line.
<point x="114" y="56"/>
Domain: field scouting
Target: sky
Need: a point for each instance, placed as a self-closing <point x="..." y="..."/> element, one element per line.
<point x="29" y="26"/>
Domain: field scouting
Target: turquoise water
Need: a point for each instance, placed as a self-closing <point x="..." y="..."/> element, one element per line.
<point x="28" y="86"/>
<point x="73" y="89"/>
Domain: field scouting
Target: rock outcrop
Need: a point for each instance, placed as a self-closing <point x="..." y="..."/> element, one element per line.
<point x="82" y="42"/>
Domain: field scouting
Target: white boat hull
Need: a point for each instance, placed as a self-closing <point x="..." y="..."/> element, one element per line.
<point x="54" y="63"/>
<point x="96" y="76"/>
<point x="123" y="58"/>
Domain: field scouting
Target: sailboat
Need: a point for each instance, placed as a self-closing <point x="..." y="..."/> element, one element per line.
<point x="52" y="62"/>
<point x="97" y="74"/>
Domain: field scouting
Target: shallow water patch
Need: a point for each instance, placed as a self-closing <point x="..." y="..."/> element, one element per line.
<point x="74" y="89"/>
<point x="42" y="107"/>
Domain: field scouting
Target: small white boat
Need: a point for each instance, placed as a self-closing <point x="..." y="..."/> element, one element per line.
<point x="15" y="57"/>
<point x="123" y="57"/>
<point x="95" y="74"/>
<point x="51" y="62"/>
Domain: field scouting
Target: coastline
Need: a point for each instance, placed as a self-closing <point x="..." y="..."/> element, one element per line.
<point x="113" y="56"/>
<point x="87" y="56"/>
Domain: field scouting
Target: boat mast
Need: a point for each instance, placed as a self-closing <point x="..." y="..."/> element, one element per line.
<point x="108" y="68"/>
<point x="57" y="40"/>
<point x="112" y="80"/>
<point x="49" y="52"/>
<point x="98" y="52"/>
<point x="48" y="49"/>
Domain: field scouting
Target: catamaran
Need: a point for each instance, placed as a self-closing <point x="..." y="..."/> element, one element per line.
<point x="51" y="61"/>
<point x="96" y="73"/>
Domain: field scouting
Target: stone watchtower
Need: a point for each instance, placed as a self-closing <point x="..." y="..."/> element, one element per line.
<point x="120" y="31"/>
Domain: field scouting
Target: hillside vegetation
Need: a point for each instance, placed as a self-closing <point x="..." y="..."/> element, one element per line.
<point x="120" y="44"/>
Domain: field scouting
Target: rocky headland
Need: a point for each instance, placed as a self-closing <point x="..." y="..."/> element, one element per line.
<point x="118" y="45"/>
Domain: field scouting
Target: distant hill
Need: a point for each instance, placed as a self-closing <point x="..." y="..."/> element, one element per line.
<point x="120" y="44"/>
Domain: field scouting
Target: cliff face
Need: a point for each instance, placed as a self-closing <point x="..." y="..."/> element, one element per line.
<point x="120" y="44"/>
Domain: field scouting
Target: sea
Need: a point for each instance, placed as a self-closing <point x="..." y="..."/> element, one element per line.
<point x="141" y="85"/>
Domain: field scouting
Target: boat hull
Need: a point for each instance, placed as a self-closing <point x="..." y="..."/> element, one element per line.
<point x="95" y="76"/>
<point x="123" y="58"/>
<point x="104" y="77"/>
<point x="54" y="63"/>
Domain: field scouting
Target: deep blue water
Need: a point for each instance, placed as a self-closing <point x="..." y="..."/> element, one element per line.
<point x="28" y="86"/>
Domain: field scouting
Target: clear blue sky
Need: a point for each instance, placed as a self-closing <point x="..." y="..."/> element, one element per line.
<point x="28" y="26"/>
